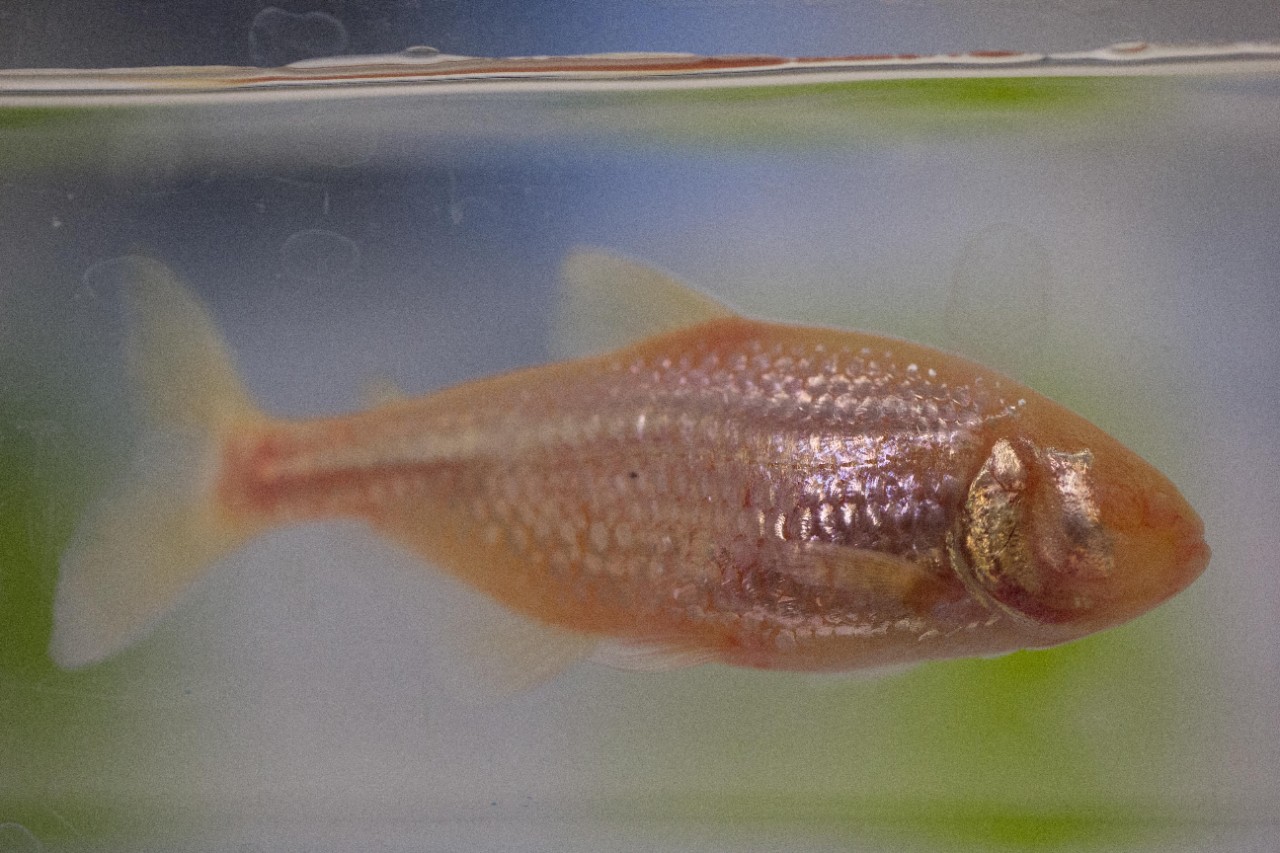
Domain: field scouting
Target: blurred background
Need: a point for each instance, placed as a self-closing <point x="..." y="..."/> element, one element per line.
<point x="1110" y="241"/>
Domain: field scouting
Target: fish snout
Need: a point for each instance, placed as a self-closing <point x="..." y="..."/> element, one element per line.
<point x="1168" y="513"/>
<point x="1158" y="547"/>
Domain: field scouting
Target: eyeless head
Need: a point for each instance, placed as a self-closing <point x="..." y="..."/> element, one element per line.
<point x="1065" y="538"/>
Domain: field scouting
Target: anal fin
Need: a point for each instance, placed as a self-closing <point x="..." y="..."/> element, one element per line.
<point x="486" y="652"/>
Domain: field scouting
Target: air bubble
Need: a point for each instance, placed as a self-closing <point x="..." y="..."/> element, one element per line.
<point x="319" y="255"/>
<point x="277" y="37"/>
<point x="16" y="838"/>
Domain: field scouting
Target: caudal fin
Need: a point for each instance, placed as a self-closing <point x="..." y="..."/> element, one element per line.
<point x="150" y="536"/>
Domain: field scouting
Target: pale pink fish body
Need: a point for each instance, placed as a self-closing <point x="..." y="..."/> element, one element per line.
<point x="733" y="491"/>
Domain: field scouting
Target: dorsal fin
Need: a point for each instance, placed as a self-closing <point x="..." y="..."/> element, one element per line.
<point x="607" y="302"/>
<point x="381" y="391"/>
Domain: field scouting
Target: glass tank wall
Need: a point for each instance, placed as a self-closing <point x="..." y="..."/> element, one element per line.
<point x="1107" y="239"/>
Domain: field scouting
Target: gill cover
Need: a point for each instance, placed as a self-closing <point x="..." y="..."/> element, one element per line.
<point x="1030" y="540"/>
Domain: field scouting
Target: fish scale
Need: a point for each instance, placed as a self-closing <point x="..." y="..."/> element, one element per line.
<point x="725" y="447"/>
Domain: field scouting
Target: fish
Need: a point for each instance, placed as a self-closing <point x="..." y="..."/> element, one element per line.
<point x="695" y="487"/>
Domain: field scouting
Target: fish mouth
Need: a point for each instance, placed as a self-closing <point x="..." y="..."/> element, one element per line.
<point x="1160" y="552"/>
<point x="1191" y="555"/>
<point x="1168" y="512"/>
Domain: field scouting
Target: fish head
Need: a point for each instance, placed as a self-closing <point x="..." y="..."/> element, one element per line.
<point x="1070" y="541"/>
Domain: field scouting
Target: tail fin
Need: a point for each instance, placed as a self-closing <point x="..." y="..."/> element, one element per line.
<point x="145" y="541"/>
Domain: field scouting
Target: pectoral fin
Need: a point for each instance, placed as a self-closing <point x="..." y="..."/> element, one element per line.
<point x="650" y="657"/>
<point x="880" y="580"/>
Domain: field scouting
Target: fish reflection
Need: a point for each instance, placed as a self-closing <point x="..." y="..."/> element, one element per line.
<point x="716" y="490"/>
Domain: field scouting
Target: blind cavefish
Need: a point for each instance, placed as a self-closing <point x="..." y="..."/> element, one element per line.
<point x="713" y="489"/>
